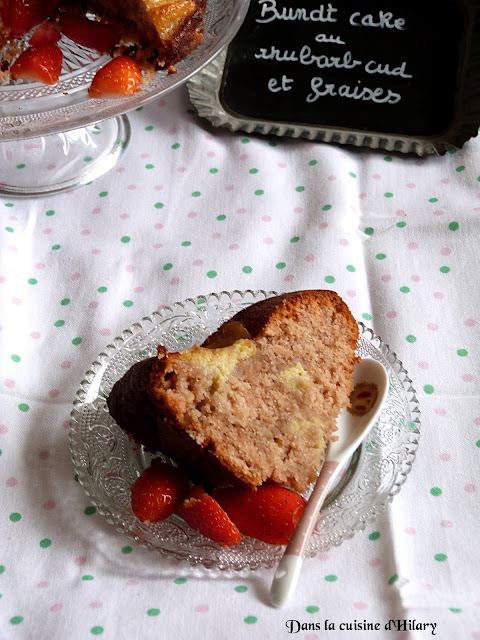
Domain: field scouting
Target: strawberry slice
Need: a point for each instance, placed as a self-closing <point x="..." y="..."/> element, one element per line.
<point x="157" y="491"/>
<point x="204" y="514"/>
<point x="119" y="77"/>
<point x="90" y="33"/>
<point x="23" y="15"/>
<point x="47" y="32"/>
<point x="40" y="63"/>
<point x="269" y="513"/>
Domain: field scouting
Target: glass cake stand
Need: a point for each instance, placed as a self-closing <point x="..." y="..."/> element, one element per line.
<point x="55" y="138"/>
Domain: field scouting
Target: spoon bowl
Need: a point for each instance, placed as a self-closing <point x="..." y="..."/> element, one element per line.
<point x="352" y="429"/>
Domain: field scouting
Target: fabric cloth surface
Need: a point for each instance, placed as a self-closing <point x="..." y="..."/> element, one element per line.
<point x="190" y="210"/>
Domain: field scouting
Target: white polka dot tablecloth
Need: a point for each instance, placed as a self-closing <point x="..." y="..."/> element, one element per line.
<point x="190" y="210"/>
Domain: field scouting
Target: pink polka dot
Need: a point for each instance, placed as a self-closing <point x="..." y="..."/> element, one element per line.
<point x="175" y="281"/>
<point x="197" y="262"/>
<point x="44" y="455"/>
<point x="181" y="169"/>
<point x="132" y="187"/>
<point x="48" y="505"/>
<point x="467" y="377"/>
<point x="427" y="587"/>
<point x="445" y="251"/>
<point x="298" y="210"/>
<point x="96" y="604"/>
<point x="124" y="216"/>
<point x="216" y="236"/>
<point x="43" y="584"/>
<point x="282" y="165"/>
<point x="310" y="257"/>
<point x="374" y="562"/>
<point x="323" y="225"/>
<point x="93" y="304"/>
<point x="9" y="383"/>
<point x="412" y="245"/>
<point x="66" y="364"/>
<point x="51" y="167"/>
<point x="96" y="252"/>
<point x="40" y="265"/>
<point x="131" y="583"/>
<point x="11" y="482"/>
<point x="332" y="178"/>
<point x="138" y="290"/>
<point x="13" y="248"/>
<point x="289" y="278"/>
<point x="411" y="531"/>
<point x="439" y="212"/>
<point x="95" y="210"/>
<point x="130" y="268"/>
<point x="105" y="332"/>
<point x="446" y="524"/>
<point x="445" y="181"/>
<point x="470" y="322"/>
<point x="192" y="214"/>
<point x="80" y="561"/>
<point x="360" y="605"/>
<point x="75" y="276"/>
<point x="54" y="393"/>
<point x="400" y="212"/>
<point x="158" y="225"/>
<point x="343" y="242"/>
<point x="244" y="156"/>
<point x="411" y="185"/>
<point x="432" y="326"/>
<point x="423" y="365"/>
<point x="445" y="457"/>
<point x="85" y="232"/>
<point x="391" y="314"/>
<point x="268" y="240"/>
<point x="158" y="245"/>
<point x="120" y="169"/>
<point x="440" y="412"/>
<point x="266" y="218"/>
<point x="16" y="301"/>
<point x="210" y="154"/>
<point x="351" y="293"/>
<point x="2" y="279"/>
<point x="202" y="608"/>
<point x="229" y="187"/>
<point x="362" y="196"/>
<point x="376" y="176"/>
<point x="158" y="187"/>
<point x="386" y="278"/>
<point x="145" y="154"/>
<point x="233" y="247"/>
<point x="438" y="295"/>
<point x="322" y="557"/>
<point x="470" y="488"/>
<point x="56" y="607"/>
<point x="3" y="429"/>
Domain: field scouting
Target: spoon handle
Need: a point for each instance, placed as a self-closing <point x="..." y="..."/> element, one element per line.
<point x="288" y="571"/>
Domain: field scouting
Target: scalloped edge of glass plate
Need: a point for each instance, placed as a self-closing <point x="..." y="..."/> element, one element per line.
<point x="277" y="551"/>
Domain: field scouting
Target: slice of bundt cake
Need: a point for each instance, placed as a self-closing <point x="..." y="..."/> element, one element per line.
<point x="257" y="401"/>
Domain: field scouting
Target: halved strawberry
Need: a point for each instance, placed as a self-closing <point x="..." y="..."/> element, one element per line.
<point x="41" y="63"/>
<point x="47" y="32"/>
<point x="156" y="493"/>
<point x="23" y="15"/>
<point x="89" y="33"/>
<point x="204" y="514"/>
<point x="269" y="513"/>
<point x="119" y="77"/>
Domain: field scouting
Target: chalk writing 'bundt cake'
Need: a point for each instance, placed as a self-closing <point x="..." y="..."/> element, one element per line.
<point x="257" y="401"/>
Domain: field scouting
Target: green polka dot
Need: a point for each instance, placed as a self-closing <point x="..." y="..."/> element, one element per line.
<point x="393" y="579"/>
<point x="159" y="205"/>
<point x="294" y="239"/>
<point x="329" y="279"/>
<point x="326" y="207"/>
<point x="9" y="204"/>
<point x="460" y="168"/>
<point x="212" y="274"/>
<point x="87" y="577"/>
<point x="245" y="141"/>
<point x="221" y="217"/>
<point x="87" y="158"/>
<point x="241" y="588"/>
<point x="369" y="231"/>
<point x="75" y="477"/>
<point x="89" y="511"/>
<point x="428" y="389"/>
<point x="436" y="491"/>
<point x="259" y="192"/>
<point x="127" y="549"/>
<point x="149" y="166"/>
<point x="375" y="535"/>
<point x="401" y="224"/>
<point x="56" y="247"/>
<point x="186" y="243"/>
<point x="153" y="612"/>
<point x="280" y="265"/>
<point x="76" y="341"/>
<point x="410" y="338"/>
<point x="15" y="358"/>
<point x="433" y="199"/>
<point x="15" y="517"/>
<point x="351" y="268"/>
<point x="96" y="631"/>
<point x="352" y="175"/>
<point x="21" y="166"/>
<point x="9" y="229"/>
<point x="462" y="352"/>
<point x="478" y="443"/>
<point x="247" y="269"/>
<point x="388" y="194"/>
<point x="196" y="194"/>
<point x="253" y="171"/>
<point x="380" y="256"/>
<point x="149" y="128"/>
<point x="45" y="543"/>
<point x="366" y="316"/>
<point x="213" y="170"/>
<point x="103" y="194"/>
<point x="64" y="302"/>
<point x="32" y="281"/>
<point x="312" y="609"/>
<point x="300" y="189"/>
<point x="250" y="620"/>
<point x="59" y="323"/>
<point x="273" y="144"/>
<point x="2" y="569"/>
<point x="388" y="159"/>
<point x="167" y="266"/>
<point x="455" y="610"/>
<point x="312" y="163"/>
<point x="23" y="407"/>
<point x="180" y="580"/>
<point x="50" y="212"/>
<point x="440" y="557"/>
<point x="16" y="620"/>
<point x="405" y="289"/>
<point x="176" y="145"/>
<point x="128" y="303"/>
<point x="102" y="289"/>
<point x="125" y="239"/>
<point x="331" y="578"/>
<point x="445" y="269"/>
<point x="453" y="226"/>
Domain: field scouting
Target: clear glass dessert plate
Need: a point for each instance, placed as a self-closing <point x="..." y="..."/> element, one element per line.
<point x="29" y="109"/>
<point x="108" y="462"/>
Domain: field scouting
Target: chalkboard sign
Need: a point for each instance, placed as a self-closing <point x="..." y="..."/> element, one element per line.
<point x="402" y="76"/>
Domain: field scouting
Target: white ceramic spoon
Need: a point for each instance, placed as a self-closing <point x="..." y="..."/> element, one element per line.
<point x="351" y="431"/>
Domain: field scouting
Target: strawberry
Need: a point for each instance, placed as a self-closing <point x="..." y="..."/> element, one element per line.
<point x="90" y="33"/>
<point x="23" y="15"/>
<point x="119" y="77"/>
<point x="204" y="514"/>
<point x="269" y="513"/>
<point x="41" y="63"/>
<point x="156" y="493"/>
<point x="47" y="32"/>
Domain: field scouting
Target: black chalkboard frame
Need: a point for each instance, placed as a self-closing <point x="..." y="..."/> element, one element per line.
<point x="205" y="91"/>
